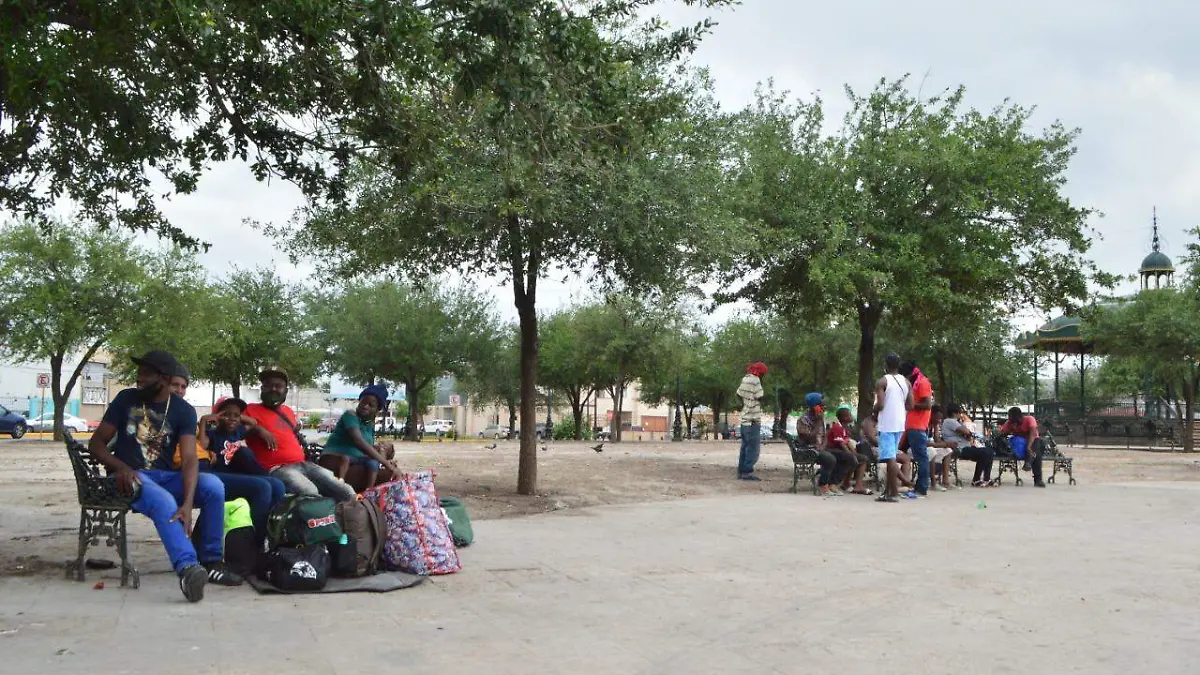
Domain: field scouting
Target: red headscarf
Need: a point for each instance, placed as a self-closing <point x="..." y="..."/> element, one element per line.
<point x="757" y="369"/>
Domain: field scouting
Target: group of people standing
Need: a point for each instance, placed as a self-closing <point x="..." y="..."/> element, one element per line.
<point x="906" y="431"/>
<point x="169" y="462"/>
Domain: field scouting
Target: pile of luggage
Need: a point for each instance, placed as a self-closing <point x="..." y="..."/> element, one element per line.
<point x="400" y="525"/>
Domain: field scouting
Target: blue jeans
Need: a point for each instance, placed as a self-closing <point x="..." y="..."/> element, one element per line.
<point x="261" y="492"/>
<point x="918" y="443"/>
<point x="751" y="444"/>
<point x="159" y="499"/>
<point x="359" y="460"/>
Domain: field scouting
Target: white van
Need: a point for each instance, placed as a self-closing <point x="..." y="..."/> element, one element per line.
<point x="439" y="427"/>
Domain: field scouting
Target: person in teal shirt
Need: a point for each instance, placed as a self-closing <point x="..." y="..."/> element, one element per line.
<point x="353" y="439"/>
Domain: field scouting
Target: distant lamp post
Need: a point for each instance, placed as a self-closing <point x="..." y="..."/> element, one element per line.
<point x="549" y="434"/>
<point x="678" y="430"/>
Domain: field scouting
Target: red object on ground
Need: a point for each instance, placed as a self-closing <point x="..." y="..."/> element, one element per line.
<point x="99" y="586"/>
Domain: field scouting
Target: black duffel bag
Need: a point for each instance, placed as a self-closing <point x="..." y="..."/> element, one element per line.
<point x="300" y="568"/>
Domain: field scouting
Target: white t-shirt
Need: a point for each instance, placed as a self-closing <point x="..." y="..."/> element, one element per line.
<point x="891" y="418"/>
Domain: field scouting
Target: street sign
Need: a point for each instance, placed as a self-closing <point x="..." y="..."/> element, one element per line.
<point x="455" y="400"/>
<point x="43" y="380"/>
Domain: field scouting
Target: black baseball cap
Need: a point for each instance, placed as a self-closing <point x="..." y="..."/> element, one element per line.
<point x="160" y="361"/>
<point x="182" y="371"/>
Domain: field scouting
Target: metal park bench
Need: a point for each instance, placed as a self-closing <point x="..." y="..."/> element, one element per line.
<point x="804" y="464"/>
<point x="102" y="512"/>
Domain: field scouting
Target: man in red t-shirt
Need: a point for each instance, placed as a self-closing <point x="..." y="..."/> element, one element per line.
<point x="1025" y="426"/>
<point x="278" y="447"/>
<point x="919" y="404"/>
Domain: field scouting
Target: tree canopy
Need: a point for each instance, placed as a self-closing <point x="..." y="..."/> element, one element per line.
<point x="918" y="207"/>
<point x="385" y="330"/>
<point x="65" y="292"/>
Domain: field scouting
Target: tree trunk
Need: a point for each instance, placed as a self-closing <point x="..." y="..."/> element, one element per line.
<point x="512" y="417"/>
<point x="413" y="392"/>
<point x="60" y="392"/>
<point x="618" y="394"/>
<point x="687" y="420"/>
<point x="868" y="322"/>
<point x="525" y="267"/>
<point x="236" y="385"/>
<point x="716" y="426"/>
<point x="1189" y="407"/>
<point x="56" y="396"/>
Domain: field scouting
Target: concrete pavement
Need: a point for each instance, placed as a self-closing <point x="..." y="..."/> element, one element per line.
<point x="1091" y="579"/>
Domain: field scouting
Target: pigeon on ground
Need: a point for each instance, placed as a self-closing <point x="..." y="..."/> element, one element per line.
<point x="599" y="448"/>
<point x="544" y="448"/>
<point x="490" y="447"/>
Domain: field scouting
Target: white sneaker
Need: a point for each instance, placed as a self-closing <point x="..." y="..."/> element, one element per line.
<point x="939" y="487"/>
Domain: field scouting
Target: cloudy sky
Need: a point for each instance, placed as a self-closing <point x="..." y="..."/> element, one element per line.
<point x="1122" y="71"/>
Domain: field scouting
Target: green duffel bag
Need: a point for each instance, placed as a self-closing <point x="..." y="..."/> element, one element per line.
<point x="459" y="521"/>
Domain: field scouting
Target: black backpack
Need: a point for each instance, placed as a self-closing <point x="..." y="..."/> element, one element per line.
<point x="304" y="568"/>
<point x="302" y="520"/>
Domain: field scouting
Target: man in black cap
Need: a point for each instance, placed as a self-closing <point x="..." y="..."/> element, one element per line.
<point x="148" y="423"/>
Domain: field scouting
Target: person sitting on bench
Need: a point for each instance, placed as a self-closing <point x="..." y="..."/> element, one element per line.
<point x="941" y="451"/>
<point x="353" y="439"/>
<point x="956" y="430"/>
<point x="279" y="448"/>
<point x="1025" y="442"/>
<point x="223" y="433"/>
<point x="810" y="430"/>
<point x="839" y="438"/>
<point x="145" y="424"/>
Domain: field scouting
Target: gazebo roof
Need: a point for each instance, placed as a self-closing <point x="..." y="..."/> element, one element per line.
<point x="1061" y="334"/>
<point x="1157" y="261"/>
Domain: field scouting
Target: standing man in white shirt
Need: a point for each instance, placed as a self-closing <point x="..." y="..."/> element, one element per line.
<point x="892" y="394"/>
<point x="751" y="393"/>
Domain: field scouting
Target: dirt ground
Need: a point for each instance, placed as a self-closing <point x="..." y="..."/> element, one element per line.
<point x="39" y="516"/>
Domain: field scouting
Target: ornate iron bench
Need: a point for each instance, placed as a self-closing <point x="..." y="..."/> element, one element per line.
<point x="1060" y="461"/>
<point x="804" y="465"/>
<point x="101" y="512"/>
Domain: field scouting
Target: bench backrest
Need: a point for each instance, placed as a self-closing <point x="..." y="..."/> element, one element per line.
<point x="93" y="486"/>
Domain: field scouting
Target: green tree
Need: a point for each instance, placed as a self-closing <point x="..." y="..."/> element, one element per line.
<point x="262" y="324"/>
<point x="573" y="144"/>
<point x="1161" y="329"/>
<point x="917" y="207"/>
<point x="623" y="336"/>
<point x="66" y="291"/>
<point x="494" y="379"/>
<point x="565" y="365"/>
<point x="384" y="330"/>
<point x="679" y="376"/>
<point x="186" y="320"/>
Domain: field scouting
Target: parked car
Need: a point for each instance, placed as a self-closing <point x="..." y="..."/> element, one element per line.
<point x="93" y="425"/>
<point x="11" y="423"/>
<point x="327" y="424"/>
<point x="439" y="427"/>
<point x="45" y="423"/>
<point x="494" y="431"/>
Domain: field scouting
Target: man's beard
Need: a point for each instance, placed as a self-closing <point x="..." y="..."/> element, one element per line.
<point x="150" y="392"/>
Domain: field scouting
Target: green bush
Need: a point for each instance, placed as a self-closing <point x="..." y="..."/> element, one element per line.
<point x="564" y="430"/>
<point x="313" y="420"/>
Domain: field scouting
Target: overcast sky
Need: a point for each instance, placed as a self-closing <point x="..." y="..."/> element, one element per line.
<point x="1122" y="71"/>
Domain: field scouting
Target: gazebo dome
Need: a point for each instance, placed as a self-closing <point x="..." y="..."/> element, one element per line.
<point x="1157" y="261"/>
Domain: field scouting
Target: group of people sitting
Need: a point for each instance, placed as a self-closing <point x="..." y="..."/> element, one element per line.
<point x="169" y="462"/>
<point x="914" y="438"/>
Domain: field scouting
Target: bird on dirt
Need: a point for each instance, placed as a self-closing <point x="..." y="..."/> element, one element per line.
<point x="544" y="448"/>
<point x="599" y="448"/>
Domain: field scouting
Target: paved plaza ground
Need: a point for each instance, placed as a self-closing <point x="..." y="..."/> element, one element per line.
<point x="656" y="562"/>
